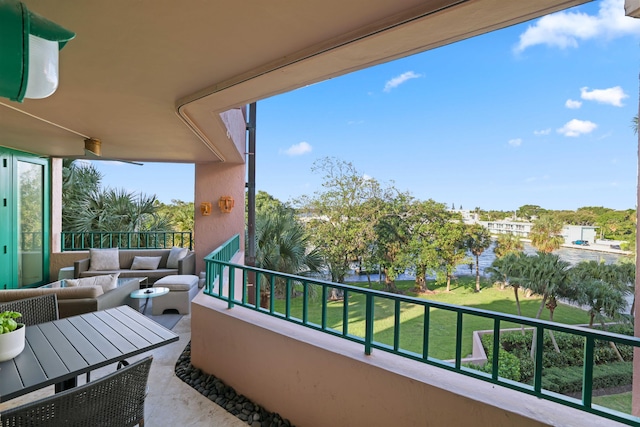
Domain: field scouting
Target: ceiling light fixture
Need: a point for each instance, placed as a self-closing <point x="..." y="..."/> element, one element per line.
<point x="29" y="46"/>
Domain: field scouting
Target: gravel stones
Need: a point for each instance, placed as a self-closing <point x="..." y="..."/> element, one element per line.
<point x="217" y="391"/>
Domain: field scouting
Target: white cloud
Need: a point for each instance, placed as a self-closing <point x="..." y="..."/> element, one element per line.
<point x="398" y="80"/>
<point x="566" y="29"/>
<point x="577" y="127"/>
<point x="298" y="149"/>
<point x="573" y="104"/>
<point x="612" y="96"/>
<point x="516" y="142"/>
<point x="542" y="132"/>
<point x="367" y="177"/>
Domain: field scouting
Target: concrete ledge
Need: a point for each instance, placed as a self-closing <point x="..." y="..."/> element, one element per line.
<point x="315" y="379"/>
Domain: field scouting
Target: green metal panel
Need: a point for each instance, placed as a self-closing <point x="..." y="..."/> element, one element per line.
<point x="8" y="270"/>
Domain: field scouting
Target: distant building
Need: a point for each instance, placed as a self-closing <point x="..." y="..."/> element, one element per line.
<point x="520" y="229"/>
<point x="570" y="233"/>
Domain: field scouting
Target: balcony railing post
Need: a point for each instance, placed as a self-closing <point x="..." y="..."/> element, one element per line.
<point x="587" y="376"/>
<point x="368" y="333"/>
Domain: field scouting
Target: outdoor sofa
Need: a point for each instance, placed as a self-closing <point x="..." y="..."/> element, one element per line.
<point x="150" y="263"/>
<point x="80" y="299"/>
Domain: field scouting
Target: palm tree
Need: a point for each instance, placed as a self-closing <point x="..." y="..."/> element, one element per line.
<point x="603" y="288"/>
<point x="546" y="235"/>
<point x="477" y="241"/>
<point x="508" y="244"/>
<point x="509" y="271"/>
<point x="282" y="245"/>
<point x="546" y="275"/>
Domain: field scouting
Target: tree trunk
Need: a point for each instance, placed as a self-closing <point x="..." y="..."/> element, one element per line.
<point x="477" y="273"/>
<point x="515" y="291"/>
<point x="389" y="285"/>
<point x="535" y="330"/>
<point x="448" y="282"/>
<point x="553" y="338"/>
<point x="613" y="345"/>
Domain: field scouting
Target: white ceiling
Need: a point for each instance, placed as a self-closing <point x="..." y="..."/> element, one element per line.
<point x="148" y="76"/>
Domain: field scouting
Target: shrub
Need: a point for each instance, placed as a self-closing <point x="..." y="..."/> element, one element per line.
<point x="569" y="379"/>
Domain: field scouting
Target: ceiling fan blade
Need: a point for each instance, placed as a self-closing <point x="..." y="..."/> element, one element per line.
<point x="93" y="151"/>
<point x="90" y="155"/>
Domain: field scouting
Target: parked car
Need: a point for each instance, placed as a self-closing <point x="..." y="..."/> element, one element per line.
<point x="615" y="247"/>
<point x="580" y="242"/>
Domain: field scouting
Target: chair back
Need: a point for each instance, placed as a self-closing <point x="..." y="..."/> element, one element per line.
<point x="116" y="399"/>
<point x="34" y="310"/>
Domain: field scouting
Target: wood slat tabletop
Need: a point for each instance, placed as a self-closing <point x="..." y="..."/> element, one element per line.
<point x="67" y="348"/>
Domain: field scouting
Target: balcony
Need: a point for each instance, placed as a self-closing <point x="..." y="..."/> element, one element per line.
<point x="293" y="362"/>
<point x="288" y="358"/>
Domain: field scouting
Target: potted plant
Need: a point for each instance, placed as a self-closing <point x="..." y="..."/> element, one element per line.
<point x="11" y="335"/>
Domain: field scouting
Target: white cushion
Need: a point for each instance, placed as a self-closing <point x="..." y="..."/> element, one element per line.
<point x="183" y="282"/>
<point x="176" y="255"/>
<point x="104" y="259"/>
<point x="145" y="262"/>
<point x="106" y="282"/>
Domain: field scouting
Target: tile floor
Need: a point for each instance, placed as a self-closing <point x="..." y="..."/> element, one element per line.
<point x="170" y="401"/>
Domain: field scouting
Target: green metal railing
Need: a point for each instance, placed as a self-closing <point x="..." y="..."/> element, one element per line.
<point x="80" y="241"/>
<point x="221" y="271"/>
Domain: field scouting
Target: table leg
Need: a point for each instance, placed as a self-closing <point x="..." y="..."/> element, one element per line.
<point x="144" y="308"/>
<point x="66" y="384"/>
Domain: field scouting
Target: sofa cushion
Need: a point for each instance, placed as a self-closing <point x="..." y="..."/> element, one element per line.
<point x="176" y="255"/>
<point x="145" y="262"/>
<point x="106" y="282"/>
<point x="104" y="259"/>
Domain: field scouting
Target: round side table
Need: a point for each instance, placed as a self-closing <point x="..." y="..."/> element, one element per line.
<point x="148" y="293"/>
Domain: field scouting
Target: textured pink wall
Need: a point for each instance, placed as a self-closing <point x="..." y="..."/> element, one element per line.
<point x="212" y="181"/>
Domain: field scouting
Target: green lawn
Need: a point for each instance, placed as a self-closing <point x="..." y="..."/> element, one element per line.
<point x="619" y="402"/>
<point x="442" y="324"/>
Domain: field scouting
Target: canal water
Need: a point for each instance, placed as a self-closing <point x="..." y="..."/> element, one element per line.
<point x="571" y="255"/>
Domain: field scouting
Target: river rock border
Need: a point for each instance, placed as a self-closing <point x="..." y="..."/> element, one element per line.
<point x="218" y="392"/>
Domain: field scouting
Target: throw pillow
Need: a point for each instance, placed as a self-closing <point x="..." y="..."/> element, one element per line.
<point x="176" y="255"/>
<point x="145" y="262"/>
<point x="106" y="282"/>
<point x="104" y="259"/>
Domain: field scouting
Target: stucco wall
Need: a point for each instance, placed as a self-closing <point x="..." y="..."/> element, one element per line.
<point x="213" y="180"/>
<point x="314" y="379"/>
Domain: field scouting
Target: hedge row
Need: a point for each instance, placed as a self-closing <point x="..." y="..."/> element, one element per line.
<point x="515" y="345"/>
<point x="569" y="379"/>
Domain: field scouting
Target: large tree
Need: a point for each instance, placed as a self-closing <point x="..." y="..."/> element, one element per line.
<point x="425" y="222"/>
<point x="477" y="241"/>
<point x="546" y="234"/>
<point x="341" y="214"/>
<point x="451" y="250"/>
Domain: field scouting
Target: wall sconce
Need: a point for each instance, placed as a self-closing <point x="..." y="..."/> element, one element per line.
<point x="29" y="46"/>
<point x="226" y="204"/>
<point x="205" y="208"/>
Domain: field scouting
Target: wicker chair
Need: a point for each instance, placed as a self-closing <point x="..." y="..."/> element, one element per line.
<point x="114" y="400"/>
<point x="34" y="310"/>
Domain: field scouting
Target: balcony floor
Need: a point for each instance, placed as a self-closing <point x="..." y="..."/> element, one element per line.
<point x="170" y="401"/>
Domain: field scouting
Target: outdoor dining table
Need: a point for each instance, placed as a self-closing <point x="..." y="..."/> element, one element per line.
<point x="58" y="352"/>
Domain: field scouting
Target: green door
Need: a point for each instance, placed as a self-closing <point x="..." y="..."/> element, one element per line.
<point x="7" y="261"/>
<point x="24" y="220"/>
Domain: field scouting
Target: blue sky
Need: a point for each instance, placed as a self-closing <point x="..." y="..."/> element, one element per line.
<point x="538" y="113"/>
